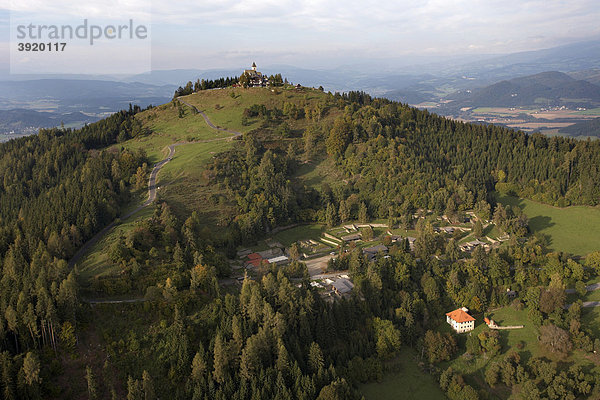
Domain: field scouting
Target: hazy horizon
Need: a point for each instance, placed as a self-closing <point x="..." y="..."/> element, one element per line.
<point x="327" y="34"/>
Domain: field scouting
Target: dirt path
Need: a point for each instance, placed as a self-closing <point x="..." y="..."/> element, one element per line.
<point x="151" y="187"/>
<point x="208" y="121"/>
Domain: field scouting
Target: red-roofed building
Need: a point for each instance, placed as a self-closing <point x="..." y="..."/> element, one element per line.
<point x="460" y="320"/>
<point x="254" y="256"/>
<point x="256" y="262"/>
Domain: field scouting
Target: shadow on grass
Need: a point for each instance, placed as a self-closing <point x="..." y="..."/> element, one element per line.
<point x="541" y="222"/>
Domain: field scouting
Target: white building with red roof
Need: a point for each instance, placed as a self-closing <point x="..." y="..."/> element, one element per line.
<point x="460" y="320"/>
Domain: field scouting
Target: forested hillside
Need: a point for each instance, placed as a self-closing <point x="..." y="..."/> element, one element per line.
<point x="309" y="157"/>
<point x="397" y="159"/>
<point x="57" y="189"/>
<point x="551" y="88"/>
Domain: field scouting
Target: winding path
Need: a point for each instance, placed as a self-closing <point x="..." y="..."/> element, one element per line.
<point x="151" y="189"/>
<point x="208" y="122"/>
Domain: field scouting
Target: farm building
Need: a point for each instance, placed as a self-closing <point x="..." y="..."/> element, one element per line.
<point x="460" y="320"/>
<point x="371" y="252"/>
<point x="351" y="238"/>
<point x="470" y="246"/>
<point x="280" y="260"/>
<point x="342" y="286"/>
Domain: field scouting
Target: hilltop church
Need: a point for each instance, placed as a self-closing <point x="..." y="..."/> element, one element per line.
<point x="255" y="78"/>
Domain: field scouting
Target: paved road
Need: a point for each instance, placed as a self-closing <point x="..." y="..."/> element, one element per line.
<point x="151" y="188"/>
<point x="154" y="173"/>
<point x="587" y="304"/>
<point x="589" y="288"/>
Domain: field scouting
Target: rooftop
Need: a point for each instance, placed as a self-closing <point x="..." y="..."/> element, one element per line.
<point x="277" y="259"/>
<point x="459" y="316"/>
<point x="376" y="249"/>
<point x="347" y="238"/>
<point x="343" y="285"/>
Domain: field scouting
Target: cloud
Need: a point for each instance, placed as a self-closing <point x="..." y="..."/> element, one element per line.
<point x="80" y="9"/>
<point x="384" y="28"/>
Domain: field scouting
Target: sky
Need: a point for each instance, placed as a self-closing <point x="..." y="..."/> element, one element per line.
<point x="202" y="34"/>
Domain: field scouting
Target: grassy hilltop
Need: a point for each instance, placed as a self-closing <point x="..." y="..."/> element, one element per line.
<point x="185" y="182"/>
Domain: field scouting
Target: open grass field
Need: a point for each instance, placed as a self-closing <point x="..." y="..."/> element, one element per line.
<point x="590" y="318"/>
<point x="592" y="111"/>
<point x="302" y="232"/>
<point x="317" y="172"/>
<point x="183" y="183"/>
<point x="574" y="229"/>
<point x="508" y="338"/>
<point x="167" y="128"/>
<point x="408" y="383"/>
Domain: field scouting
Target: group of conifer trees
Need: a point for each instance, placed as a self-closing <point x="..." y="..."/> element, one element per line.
<point x="56" y="192"/>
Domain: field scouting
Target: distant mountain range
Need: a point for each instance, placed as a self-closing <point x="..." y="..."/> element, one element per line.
<point x="571" y="57"/>
<point x="489" y="78"/>
<point x="590" y="75"/>
<point x="546" y="88"/>
<point x="26" y="106"/>
<point x="67" y="95"/>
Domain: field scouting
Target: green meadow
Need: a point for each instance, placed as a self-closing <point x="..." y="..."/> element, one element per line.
<point x="409" y="382"/>
<point x="574" y="229"/>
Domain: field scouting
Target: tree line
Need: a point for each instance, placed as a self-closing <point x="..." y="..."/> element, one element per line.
<point x="205" y="84"/>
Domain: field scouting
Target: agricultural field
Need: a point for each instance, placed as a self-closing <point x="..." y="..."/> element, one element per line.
<point x="595" y="112"/>
<point x="538" y="113"/>
<point x="538" y="125"/>
<point x="530" y="118"/>
<point x="503" y="111"/>
<point x="574" y="229"/>
<point x="409" y="382"/>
